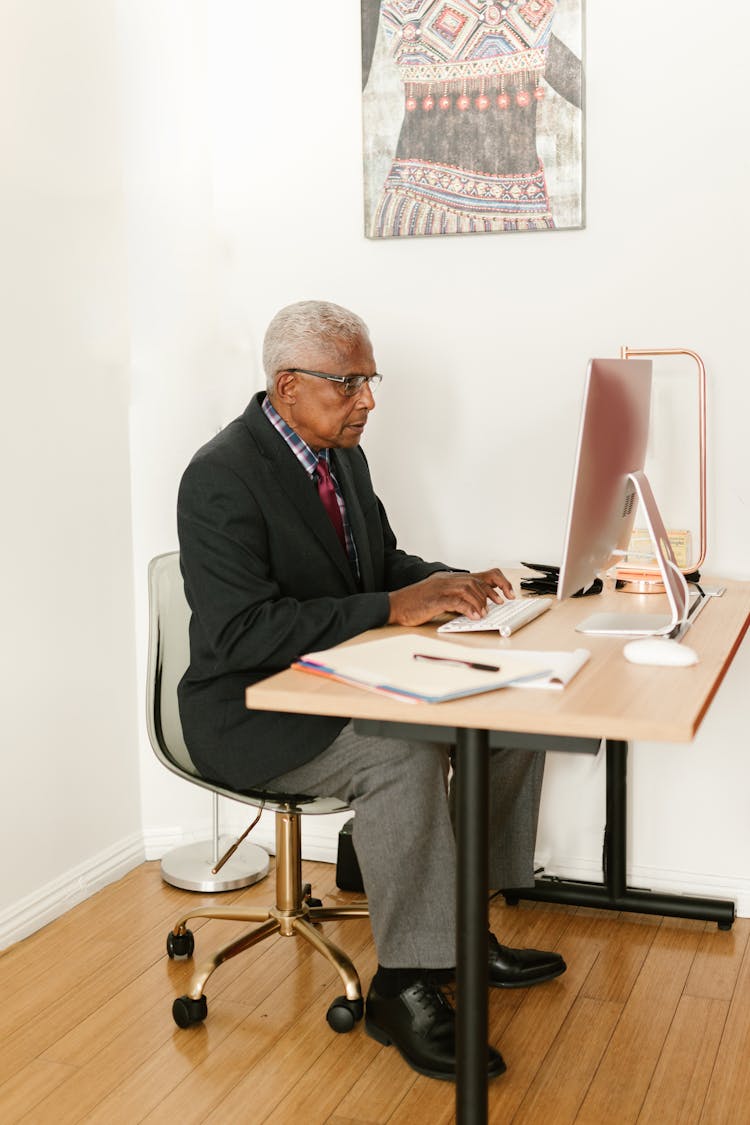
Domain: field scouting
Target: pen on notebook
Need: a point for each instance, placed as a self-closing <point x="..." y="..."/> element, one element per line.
<point x="458" y="663"/>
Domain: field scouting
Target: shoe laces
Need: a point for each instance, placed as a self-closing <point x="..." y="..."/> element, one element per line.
<point x="444" y="982"/>
<point x="434" y="1005"/>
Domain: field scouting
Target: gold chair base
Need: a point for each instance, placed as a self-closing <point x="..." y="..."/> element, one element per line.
<point x="291" y="916"/>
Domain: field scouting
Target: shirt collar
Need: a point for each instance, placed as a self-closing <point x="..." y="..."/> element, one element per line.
<point x="302" y="451"/>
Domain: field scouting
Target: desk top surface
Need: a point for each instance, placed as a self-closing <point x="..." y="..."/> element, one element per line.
<point x="609" y="698"/>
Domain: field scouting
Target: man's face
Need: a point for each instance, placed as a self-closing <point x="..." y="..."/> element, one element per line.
<point x="317" y="409"/>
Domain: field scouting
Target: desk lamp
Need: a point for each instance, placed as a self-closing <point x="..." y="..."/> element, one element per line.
<point x="644" y="580"/>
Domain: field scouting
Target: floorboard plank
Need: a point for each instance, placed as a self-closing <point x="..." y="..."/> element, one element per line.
<point x="25" y="1091"/>
<point x="728" y="1098"/>
<point x="562" y="1081"/>
<point x="717" y="962"/>
<point x="678" y="1088"/>
<point x="621" y="1082"/>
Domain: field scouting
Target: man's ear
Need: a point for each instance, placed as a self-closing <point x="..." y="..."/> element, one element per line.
<point x="286" y="387"/>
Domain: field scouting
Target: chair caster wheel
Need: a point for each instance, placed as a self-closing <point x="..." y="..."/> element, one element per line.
<point x="343" y="1014"/>
<point x="187" y="1011"/>
<point x="180" y="945"/>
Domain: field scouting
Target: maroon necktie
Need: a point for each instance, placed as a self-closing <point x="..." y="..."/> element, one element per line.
<point x="327" y="493"/>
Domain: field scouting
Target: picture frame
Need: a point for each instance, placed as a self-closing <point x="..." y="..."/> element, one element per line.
<point x="473" y="116"/>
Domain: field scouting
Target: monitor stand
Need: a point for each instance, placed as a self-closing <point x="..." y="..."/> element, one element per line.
<point x="636" y="624"/>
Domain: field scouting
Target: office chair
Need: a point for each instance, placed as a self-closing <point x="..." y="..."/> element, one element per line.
<point x="295" y="912"/>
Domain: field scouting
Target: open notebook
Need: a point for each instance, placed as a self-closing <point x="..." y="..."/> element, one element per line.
<point x="412" y="667"/>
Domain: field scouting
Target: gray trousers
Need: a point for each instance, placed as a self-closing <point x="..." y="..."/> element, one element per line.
<point x="403" y="835"/>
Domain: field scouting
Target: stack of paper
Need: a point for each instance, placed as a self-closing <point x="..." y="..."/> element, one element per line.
<point x="412" y="667"/>
<point x="564" y="667"/>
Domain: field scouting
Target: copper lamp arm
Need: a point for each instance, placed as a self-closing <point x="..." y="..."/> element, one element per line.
<point x="628" y="353"/>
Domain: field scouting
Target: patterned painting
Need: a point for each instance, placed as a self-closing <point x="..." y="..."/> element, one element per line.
<point x="473" y="116"/>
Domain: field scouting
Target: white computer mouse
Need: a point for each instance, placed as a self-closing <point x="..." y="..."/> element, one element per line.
<point x="660" y="650"/>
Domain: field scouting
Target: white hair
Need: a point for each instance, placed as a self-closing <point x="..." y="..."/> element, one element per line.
<point x="296" y="326"/>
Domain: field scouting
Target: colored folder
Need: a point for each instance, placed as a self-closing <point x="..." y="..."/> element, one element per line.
<point x="415" y="668"/>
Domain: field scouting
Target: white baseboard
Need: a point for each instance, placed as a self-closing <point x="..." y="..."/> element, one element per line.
<point x="50" y="901"/>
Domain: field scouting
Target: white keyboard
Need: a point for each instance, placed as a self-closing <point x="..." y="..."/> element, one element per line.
<point x="504" y="619"/>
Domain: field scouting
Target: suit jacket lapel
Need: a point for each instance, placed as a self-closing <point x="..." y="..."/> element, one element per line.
<point x="287" y="473"/>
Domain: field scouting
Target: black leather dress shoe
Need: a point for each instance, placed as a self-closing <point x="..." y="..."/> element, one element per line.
<point x="420" y="1023"/>
<point x="519" y="968"/>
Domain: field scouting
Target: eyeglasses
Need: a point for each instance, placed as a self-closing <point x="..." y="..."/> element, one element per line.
<point x="350" y="385"/>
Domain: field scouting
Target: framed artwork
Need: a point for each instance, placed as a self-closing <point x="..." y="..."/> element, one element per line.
<point x="473" y="116"/>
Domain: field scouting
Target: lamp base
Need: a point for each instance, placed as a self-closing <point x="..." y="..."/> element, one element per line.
<point x="639" y="582"/>
<point x="189" y="867"/>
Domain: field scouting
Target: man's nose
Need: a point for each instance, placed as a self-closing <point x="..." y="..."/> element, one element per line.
<point x="367" y="397"/>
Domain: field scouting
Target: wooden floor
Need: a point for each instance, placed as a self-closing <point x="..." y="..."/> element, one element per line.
<point x="651" y="1023"/>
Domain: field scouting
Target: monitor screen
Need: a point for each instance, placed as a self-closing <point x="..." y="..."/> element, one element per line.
<point x="608" y="483"/>
<point x="612" y="442"/>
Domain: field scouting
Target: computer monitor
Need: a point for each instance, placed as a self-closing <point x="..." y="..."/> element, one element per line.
<point x="608" y="483"/>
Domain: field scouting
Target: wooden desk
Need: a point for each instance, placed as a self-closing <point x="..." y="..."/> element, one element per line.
<point x="609" y="699"/>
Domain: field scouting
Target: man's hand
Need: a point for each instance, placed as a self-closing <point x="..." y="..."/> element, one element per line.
<point x="495" y="578"/>
<point x="447" y="593"/>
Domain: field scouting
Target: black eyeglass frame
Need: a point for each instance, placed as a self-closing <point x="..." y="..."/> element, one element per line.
<point x="351" y="385"/>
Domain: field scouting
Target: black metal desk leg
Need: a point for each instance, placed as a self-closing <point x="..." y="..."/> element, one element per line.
<point x="471" y="780"/>
<point x="616" y="830"/>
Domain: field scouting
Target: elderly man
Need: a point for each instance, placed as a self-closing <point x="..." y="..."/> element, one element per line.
<point x="285" y="548"/>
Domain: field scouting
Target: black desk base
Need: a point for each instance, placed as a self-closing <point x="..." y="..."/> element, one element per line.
<point x="613" y="893"/>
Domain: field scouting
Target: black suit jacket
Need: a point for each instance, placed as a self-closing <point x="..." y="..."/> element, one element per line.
<point x="267" y="580"/>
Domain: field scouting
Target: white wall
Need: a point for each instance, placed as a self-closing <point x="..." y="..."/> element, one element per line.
<point x="241" y="149"/>
<point x="470" y="331"/>
<point x="71" y="811"/>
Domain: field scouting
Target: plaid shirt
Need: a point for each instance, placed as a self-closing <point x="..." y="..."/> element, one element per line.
<point x="309" y="462"/>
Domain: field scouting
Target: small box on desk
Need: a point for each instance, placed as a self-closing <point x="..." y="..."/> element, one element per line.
<point x="348" y="874"/>
<point x="641" y="548"/>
